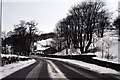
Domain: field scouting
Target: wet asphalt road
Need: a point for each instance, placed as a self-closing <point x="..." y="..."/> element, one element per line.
<point x="39" y="71"/>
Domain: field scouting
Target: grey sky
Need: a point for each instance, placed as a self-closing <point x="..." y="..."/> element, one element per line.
<point x="46" y="13"/>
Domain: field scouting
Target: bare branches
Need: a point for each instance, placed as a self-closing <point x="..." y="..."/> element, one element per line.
<point x="82" y="22"/>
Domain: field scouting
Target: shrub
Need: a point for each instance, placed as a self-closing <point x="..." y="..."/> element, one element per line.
<point x="9" y="60"/>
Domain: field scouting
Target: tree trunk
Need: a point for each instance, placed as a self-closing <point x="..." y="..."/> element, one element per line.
<point x="66" y="50"/>
<point x="102" y="32"/>
<point x="90" y="41"/>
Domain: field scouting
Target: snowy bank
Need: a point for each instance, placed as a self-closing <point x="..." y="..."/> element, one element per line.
<point x="11" y="68"/>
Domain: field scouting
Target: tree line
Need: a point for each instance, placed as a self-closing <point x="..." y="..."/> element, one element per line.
<point x="21" y="39"/>
<point x="77" y="29"/>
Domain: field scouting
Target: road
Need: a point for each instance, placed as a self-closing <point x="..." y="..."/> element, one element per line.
<point x="47" y="69"/>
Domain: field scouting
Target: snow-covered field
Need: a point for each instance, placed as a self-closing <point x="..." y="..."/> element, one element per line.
<point x="88" y="66"/>
<point x="40" y="44"/>
<point x="44" y="42"/>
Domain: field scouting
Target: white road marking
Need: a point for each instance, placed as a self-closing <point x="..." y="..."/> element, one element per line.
<point x="54" y="72"/>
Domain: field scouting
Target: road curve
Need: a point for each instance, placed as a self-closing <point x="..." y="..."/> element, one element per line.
<point x="48" y="69"/>
<point x="73" y="72"/>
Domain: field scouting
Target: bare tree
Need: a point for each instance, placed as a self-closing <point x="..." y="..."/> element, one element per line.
<point x="82" y="22"/>
<point x="22" y="38"/>
<point x="32" y="31"/>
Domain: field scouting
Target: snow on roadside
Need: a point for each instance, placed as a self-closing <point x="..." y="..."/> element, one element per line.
<point x="11" y="68"/>
<point x="88" y="66"/>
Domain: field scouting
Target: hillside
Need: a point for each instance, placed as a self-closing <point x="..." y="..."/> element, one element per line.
<point x="46" y="36"/>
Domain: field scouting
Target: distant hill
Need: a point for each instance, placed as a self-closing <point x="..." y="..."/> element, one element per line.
<point x="46" y="36"/>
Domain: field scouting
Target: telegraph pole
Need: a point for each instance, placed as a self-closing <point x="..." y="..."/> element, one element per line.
<point x="0" y="32"/>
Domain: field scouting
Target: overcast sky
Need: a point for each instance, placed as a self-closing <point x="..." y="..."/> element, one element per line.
<point x="45" y="12"/>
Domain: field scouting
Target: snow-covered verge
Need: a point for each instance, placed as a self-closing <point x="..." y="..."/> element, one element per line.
<point x="13" y="67"/>
<point x="88" y="66"/>
<point x="12" y="58"/>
